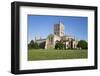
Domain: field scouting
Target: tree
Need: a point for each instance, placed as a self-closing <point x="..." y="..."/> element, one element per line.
<point x="82" y="44"/>
<point x="33" y="45"/>
<point x="36" y="46"/>
<point x="60" y="45"/>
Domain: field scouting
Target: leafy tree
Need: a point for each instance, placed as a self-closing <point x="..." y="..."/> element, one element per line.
<point x="82" y="44"/>
<point x="36" y="46"/>
<point x="60" y="45"/>
<point x="33" y="45"/>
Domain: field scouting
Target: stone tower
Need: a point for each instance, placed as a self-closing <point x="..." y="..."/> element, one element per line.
<point x="59" y="29"/>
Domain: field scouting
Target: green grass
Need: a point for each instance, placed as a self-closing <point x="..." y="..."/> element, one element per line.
<point x="51" y="54"/>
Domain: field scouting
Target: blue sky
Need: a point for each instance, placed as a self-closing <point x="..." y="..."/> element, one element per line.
<point x="42" y="26"/>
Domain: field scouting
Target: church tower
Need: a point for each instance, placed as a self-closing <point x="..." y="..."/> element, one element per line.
<point x="59" y="29"/>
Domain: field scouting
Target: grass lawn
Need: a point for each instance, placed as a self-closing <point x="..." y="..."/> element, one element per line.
<point x="49" y="54"/>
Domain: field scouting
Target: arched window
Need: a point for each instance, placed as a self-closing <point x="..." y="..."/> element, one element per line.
<point x="51" y="39"/>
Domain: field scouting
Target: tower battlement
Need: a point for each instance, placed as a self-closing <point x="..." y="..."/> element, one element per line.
<point x="59" y="29"/>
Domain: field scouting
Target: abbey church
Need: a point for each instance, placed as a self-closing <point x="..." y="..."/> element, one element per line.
<point x="58" y="35"/>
